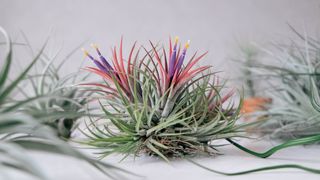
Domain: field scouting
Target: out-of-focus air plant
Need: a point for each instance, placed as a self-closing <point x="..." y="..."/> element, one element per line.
<point x="21" y="132"/>
<point x="292" y="81"/>
<point x="66" y="103"/>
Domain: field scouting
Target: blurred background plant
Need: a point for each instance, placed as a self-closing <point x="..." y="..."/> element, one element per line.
<point x="67" y="102"/>
<point x="21" y="131"/>
<point x="292" y="81"/>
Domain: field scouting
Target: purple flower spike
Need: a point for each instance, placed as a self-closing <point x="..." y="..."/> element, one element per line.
<point x="101" y="67"/>
<point x="102" y="59"/>
<point x="181" y="58"/>
<point x="105" y="63"/>
<point x="98" y="64"/>
<point x="180" y="61"/>
<point x="173" y="59"/>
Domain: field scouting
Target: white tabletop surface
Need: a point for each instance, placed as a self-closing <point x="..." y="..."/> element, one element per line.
<point x="60" y="167"/>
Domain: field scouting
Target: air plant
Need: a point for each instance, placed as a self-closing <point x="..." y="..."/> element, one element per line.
<point x="159" y="106"/>
<point x="67" y="102"/>
<point x="293" y="85"/>
<point x="20" y="132"/>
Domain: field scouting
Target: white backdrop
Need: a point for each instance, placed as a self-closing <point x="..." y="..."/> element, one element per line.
<point x="218" y="26"/>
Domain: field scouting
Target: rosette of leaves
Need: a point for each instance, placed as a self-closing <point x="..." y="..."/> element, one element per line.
<point x="292" y="81"/>
<point x="66" y="103"/>
<point x="157" y="105"/>
<point x="20" y="132"/>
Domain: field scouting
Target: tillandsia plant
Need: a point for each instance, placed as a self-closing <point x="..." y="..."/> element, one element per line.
<point x="159" y="105"/>
<point x="20" y="132"/>
<point x="293" y="85"/>
<point x="66" y="103"/>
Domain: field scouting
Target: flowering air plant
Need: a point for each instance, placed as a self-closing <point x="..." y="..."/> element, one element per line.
<point x="158" y="105"/>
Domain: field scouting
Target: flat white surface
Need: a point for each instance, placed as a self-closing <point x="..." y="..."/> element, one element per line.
<point x="233" y="160"/>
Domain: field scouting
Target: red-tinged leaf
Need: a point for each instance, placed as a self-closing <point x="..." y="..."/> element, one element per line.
<point x="99" y="85"/>
<point x="165" y="76"/>
<point x="224" y="99"/>
<point x="121" y="59"/>
<point x="227" y="96"/>
<point x="192" y="74"/>
<point x="152" y="61"/>
<point x="141" y="62"/>
<point x="196" y="80"/>
<point x="170" y="47"/>
<point x="129" y="59"/>
<point x="115" y="60"/>
<point x="110" y="94"/>
<point x="165" y="60"/>
<point x="154" y="77"/>
<point x="94" y="84"/>
<point x="191" y="59"/>
<point x="134" y="65"/>
<point x="174" y="79"/>
<point x="191" y="64"/>
<point x="136" y="58"/>
<point x="159" y="61"/>
<point x="106" y="76"/>
<point x="118" y="70"/>
<point x="98" y="72"/>
<point x="123" y="79"/>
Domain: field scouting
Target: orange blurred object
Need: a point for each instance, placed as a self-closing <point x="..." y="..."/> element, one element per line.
<point x="254" y="104"/>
